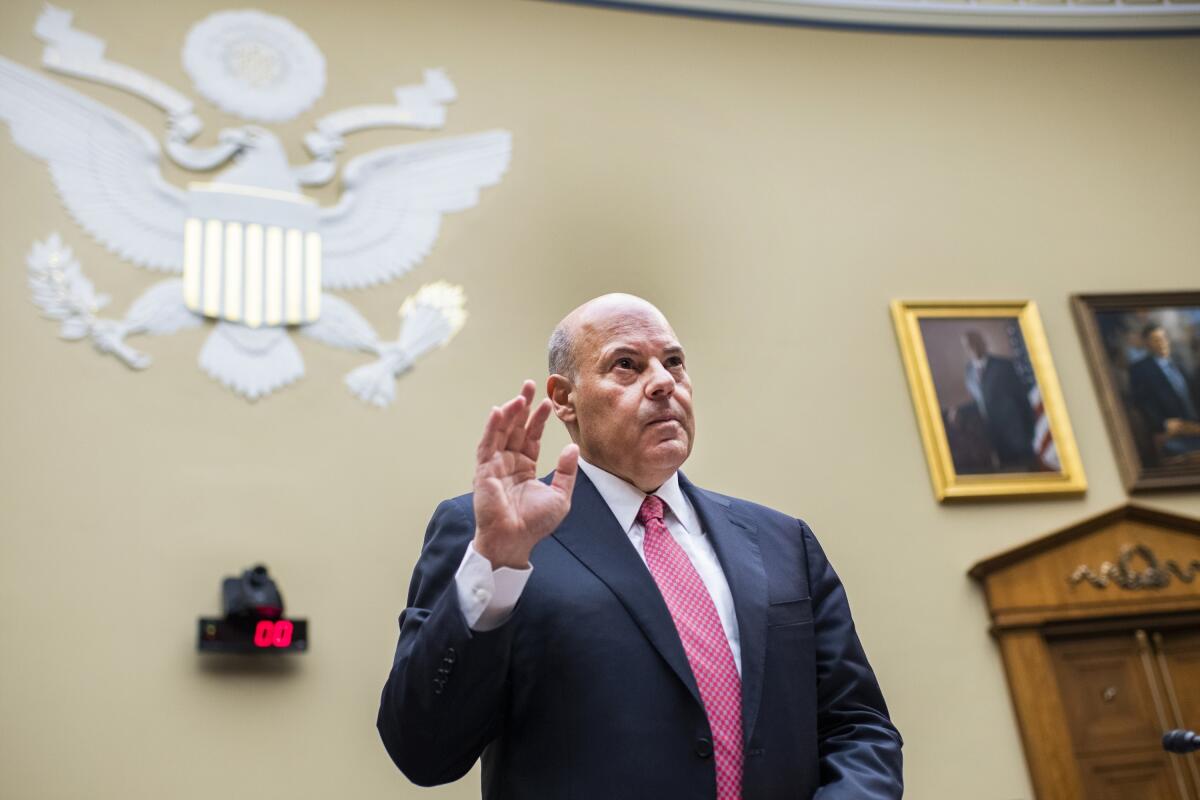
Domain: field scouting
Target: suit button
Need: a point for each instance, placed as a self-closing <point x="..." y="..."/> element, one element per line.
<point x="703" y="748"/>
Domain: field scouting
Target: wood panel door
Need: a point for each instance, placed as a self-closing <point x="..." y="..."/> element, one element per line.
<point x="1116" y="708"/>
<point x="1177" y="653"/>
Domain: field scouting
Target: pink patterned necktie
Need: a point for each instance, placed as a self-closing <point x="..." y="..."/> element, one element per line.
<point x="704" y="642"/>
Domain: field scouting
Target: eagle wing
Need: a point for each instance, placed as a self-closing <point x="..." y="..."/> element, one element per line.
<point x="105" y="167"/>
<point x="393" y="200"/>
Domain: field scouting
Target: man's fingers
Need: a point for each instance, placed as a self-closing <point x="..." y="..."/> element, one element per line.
<point x="495" y="432"/>
<point x="505" y="424"/>
<point x="567" y="469"/>
<point x="528" y="390"/>
<point x="516" y="431"/>
<point x="500" y="431"/>
<point x="487" y="444"/>
<point x="517" y="409"/>
<point x="510" y="409"/>
<point x="509" y="413"/>
<point x="533" y="431"/>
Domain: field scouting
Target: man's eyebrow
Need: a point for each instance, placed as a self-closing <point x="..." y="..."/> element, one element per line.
<point x="617" y="350"/>
<point x="623" y="349"/>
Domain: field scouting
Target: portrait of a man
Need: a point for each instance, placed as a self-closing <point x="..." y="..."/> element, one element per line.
<point x="1164" y="394"/>
<point x="1144" y="352"/>
<point x="988" y="396"/>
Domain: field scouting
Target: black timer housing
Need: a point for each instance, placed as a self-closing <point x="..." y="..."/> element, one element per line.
<point x="253" y="621"/>
<point x="252" y="595"/>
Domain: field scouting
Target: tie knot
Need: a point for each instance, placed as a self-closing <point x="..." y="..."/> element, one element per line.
<point x="652" y="508"/>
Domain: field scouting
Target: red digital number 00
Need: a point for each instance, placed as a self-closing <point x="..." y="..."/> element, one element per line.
<point x="273" y="634"/>
<point x="283" y="633"/>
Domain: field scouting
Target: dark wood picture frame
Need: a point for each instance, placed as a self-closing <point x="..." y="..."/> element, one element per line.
<point x="1126" y="430"/>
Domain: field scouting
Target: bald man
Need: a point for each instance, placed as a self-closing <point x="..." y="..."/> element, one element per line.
<point x="614" y="631"/>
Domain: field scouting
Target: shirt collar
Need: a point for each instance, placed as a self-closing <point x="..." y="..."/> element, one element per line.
<point x="624" y="499"/>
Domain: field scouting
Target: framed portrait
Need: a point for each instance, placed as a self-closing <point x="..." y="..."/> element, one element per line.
<point x="987" y="399"/>
<point x="1144" y="355"/>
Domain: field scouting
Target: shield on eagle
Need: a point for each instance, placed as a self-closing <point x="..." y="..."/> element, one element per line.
<point x="251" y="255"/>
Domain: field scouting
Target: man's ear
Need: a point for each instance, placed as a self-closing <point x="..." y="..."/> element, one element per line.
<point x="561" y="392"/>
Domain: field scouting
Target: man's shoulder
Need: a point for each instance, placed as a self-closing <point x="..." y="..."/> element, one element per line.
<point x="1000" y="364"/>
<point x="749" y="509"/>
<point x="783" y="537"/>
<point x="454" y="512"/>
<point x="1143" y="366"/>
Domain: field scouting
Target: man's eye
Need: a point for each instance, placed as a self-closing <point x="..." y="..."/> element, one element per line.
<point x="674" y="361"/>
<point x="624" y="363"/>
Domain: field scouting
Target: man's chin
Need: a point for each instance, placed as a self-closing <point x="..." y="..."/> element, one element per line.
<point x="667" y="455"/>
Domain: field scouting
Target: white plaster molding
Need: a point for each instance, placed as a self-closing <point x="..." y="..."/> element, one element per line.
<point x="255" y="65"/>
<point x="1063" y="16"/>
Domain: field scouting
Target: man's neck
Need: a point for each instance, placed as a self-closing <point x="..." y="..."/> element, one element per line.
<point x="593" y="465"/>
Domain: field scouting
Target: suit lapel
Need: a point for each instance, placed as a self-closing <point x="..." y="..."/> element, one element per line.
<point x="592" y="534"/>
<point x="735" y="541"/>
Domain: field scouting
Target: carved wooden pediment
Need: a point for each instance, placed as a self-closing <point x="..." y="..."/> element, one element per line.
<point x="1131" y="560"/>
<point x="1097" y="626"/>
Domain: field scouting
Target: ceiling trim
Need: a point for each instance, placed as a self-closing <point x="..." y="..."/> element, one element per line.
<point x="997" y="17"/>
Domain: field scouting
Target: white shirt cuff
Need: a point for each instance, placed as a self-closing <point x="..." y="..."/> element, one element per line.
<point x="486" y="596"/>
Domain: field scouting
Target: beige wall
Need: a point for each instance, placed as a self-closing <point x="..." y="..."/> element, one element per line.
<point x="771" y="188"/>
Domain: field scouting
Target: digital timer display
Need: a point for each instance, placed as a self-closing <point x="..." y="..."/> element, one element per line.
<point x="252" y="635"/>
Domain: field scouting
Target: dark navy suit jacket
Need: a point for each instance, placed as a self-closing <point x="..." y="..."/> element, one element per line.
<point x="1008" y="414"/>
<point x="585" y="692"/>
<point x="1156" y="397"/>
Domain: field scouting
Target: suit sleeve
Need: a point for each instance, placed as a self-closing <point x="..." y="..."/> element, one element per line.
<point x="444" y="699"/>
<point x="1145" y="398"/>
<point x="859" y="747"/>
<point x="1020" y="391"/>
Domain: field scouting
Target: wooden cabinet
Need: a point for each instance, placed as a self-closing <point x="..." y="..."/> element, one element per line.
<point x="1099" y="629"/>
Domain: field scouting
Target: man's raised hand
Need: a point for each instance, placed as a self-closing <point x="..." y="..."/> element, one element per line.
<point x="513" y="509"/>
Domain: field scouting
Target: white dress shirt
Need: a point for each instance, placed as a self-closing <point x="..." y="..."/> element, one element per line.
<point x="487" y="597"/>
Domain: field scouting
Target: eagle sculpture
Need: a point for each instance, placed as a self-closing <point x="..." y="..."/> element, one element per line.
<point x="255" y="254"/>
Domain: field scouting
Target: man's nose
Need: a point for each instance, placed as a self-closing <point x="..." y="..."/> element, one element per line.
<point x="660" y="383"/>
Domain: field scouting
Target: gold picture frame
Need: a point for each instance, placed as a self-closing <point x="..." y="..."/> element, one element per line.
<point x="986" y="353"/>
